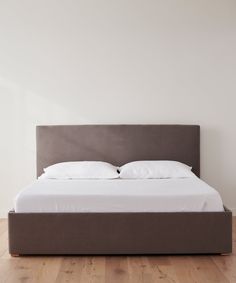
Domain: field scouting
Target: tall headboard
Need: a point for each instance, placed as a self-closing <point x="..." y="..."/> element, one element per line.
<point x="118" y="144"/>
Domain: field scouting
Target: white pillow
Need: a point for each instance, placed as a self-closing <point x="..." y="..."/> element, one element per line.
<point x="81" y="170"/>
<point x="155" y="169"/>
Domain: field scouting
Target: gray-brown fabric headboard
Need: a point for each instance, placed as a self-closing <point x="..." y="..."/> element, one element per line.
<point x="118" y="144"/>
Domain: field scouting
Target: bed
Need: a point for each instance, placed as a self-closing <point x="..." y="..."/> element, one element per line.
<point x="119" y="216"/>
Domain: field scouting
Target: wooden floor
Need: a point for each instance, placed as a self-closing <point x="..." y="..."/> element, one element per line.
<point x="135" y="269"/>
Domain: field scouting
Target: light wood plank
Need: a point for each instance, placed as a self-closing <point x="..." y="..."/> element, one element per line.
<point x="49" y="270"/>
<point x="93" y="270"/>
<point x="139" y="270"/>
<point x="227" y="265"/>
<point x="71" y="269"/>
<point x="117" y="269"/>
<point x="3" y="226"/>
<point x="184" y="269"/>
<point x="3" y="243"/>
<point x="25" y="269"/>
<point x="207" y="271"/>
<point x="162" y="269"/>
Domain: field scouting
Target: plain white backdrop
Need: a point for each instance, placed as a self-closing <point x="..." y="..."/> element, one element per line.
<point x="126" y="61"/>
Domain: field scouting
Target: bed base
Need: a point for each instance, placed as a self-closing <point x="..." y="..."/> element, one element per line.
<point x="120" y="233"/>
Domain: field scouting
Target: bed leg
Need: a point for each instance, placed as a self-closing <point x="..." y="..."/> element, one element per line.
<point x="15" y="255"/>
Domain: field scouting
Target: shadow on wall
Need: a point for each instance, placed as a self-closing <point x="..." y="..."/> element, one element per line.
<point x="213" y="162"/>
<point x="20" y="112"/>
<point x="23" y="110"/>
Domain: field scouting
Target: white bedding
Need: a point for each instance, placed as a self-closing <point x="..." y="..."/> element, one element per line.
<point x="143" y="195"/>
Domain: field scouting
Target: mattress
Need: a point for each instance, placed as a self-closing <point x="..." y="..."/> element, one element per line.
<point x="118" y="195"/>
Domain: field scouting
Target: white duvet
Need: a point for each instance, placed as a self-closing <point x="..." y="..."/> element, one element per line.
<point x="142" y="195"/>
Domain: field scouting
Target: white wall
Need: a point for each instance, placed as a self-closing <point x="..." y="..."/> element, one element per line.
<point x="110" y="61"/>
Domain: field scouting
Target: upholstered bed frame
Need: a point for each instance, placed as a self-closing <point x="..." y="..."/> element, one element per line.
<point x="119" y="233"/>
